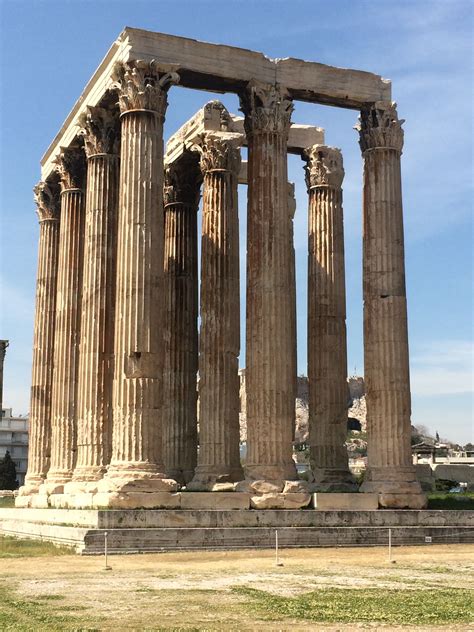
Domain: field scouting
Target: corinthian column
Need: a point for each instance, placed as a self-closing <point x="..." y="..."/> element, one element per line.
<point x="219" y="347"/>
<point x="136" y="463"/>
<point x="48" y="205"/>
<point x="181" y="200"/>
<point x="390" y="469"/>
<point x="327" y="343"/>
<point x="72" y="171"/>
<point x="270" y="348"/>
<point x="100" y="128"/>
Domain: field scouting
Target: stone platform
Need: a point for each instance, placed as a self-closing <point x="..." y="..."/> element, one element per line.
<point x="139" y="531"/>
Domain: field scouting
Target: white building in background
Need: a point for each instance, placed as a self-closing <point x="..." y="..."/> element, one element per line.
<point x="14" y="439"/>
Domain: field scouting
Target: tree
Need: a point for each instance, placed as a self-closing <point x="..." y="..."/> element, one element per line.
<point x="8" y="473"/>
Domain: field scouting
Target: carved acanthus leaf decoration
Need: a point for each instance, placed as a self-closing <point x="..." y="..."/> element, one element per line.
<point x="47" y="201"/>
<point x="100" y="128"/>
<point x="71" y="167"/>
<point x="182" y="184"/>
<point x="267" y="108"/>
<point x="219" y="152"/>
<point x="323" y="167"/>
<point x="143" y="85"/>
<point x="379" y="126"/>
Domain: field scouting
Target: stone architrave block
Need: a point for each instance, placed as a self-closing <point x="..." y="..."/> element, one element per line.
<point x="342" y="501"/>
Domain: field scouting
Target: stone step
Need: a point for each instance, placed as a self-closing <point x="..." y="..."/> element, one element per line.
<point x="166" y="539"/>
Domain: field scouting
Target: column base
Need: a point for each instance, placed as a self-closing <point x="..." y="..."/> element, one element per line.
<point x="86" y="474"/>
<point x="276" y="494"/>
<point x="137" y="478"/>
<point x="31" y="486"/>
<point x="182" y="477"/>
<point x="55" y="481"/>
<point x="210" y="479"/>
<point x="397" y="487"/>
<point x="328" y="479"/>
<point x="284" y="472"/>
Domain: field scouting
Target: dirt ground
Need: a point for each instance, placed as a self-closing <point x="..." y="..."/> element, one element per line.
<point x="195" y="590"/>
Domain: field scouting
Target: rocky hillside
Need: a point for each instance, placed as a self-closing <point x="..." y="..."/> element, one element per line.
<point x="356" y="407"/>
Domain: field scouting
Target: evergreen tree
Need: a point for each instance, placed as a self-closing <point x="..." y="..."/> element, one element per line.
<point x="7" y="473"/>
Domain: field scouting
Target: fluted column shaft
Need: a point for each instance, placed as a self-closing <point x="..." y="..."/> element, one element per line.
<point x="68" y="319"/>
<point x="387" y="378"/>
<point x="219" y="347"/>
<point x="327" y="341"/>
<point x="270" y="345"/>
<point x="182" y="185"/>
<point x="137" y="394"/>
<point x="100" y="130"/>
<point x="39" y="440"/>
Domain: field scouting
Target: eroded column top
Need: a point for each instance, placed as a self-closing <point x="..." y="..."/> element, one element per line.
<point x="324" y="167"/>
<point x="47" y="199"/>
<point x="379" y="127"/>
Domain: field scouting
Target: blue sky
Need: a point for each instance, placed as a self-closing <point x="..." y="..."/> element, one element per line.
<point x="49" y="49"/>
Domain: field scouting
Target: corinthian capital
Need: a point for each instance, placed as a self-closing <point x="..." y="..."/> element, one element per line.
<point x="323" y="167"/>
<point x="47" y="201"/>
<point x="71" y="167"/>
<point x="100" y="128"/>
<point x="267" y="108"/>
<point x="143" y="85"/>
<point x="380" y="127"/>
<point x="182" y="184"/>
<point x="219" y="152"/>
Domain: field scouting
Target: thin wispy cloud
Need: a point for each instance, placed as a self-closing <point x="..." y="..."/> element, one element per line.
<point x="443" y="368"/>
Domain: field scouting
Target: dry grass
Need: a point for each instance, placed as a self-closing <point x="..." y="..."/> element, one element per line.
<point x="341" y="589"/>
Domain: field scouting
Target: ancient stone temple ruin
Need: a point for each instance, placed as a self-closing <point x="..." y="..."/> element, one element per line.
<point x="117" y="349"/>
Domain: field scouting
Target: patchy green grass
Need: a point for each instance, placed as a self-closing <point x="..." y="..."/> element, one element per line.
<point x="7" y="503"/>
<point x="14" y="547"/>
<point x="42" y="613"/>
<point x="442" y="500"/>
<point x="342" y="605"/>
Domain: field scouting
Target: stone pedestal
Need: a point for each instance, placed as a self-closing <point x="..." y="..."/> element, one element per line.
<point x="219" y="458"/>
<point x="181" y="199"/>
<point x="72" y="170"/>
<point x="39" y="441"/>
<point x="94" y="417"/>
<point x="136" y="465"/>
<point x="390" y="470"/>
<point x="270" y="311"/>
<point x="327" y="343"/>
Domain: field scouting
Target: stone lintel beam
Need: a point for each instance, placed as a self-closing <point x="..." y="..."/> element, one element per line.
<point x="218" y="68"/>
<point x="214" y="117"/>
<point x="299" y="137"/>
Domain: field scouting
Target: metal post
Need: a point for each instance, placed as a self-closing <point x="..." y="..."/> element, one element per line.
<point x="107" y="567"/>
<point x="390" y="547"/>
<point x="277" y="561"/>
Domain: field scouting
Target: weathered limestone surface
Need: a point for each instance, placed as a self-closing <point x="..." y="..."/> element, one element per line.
<point x="341" y="501"/>
<point x="327" y="344"/>
<point x="94" y="418"/>
<point x="390" y="469"/>
<point x="219" y="459"/>
<point x="136" y="464"/>
<point x="270" y="344"/>
<point x="39" y="447"/>
<point x="72" y="170"/>
<point x="217" y="68"/>
<point x="181" y="199"/>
